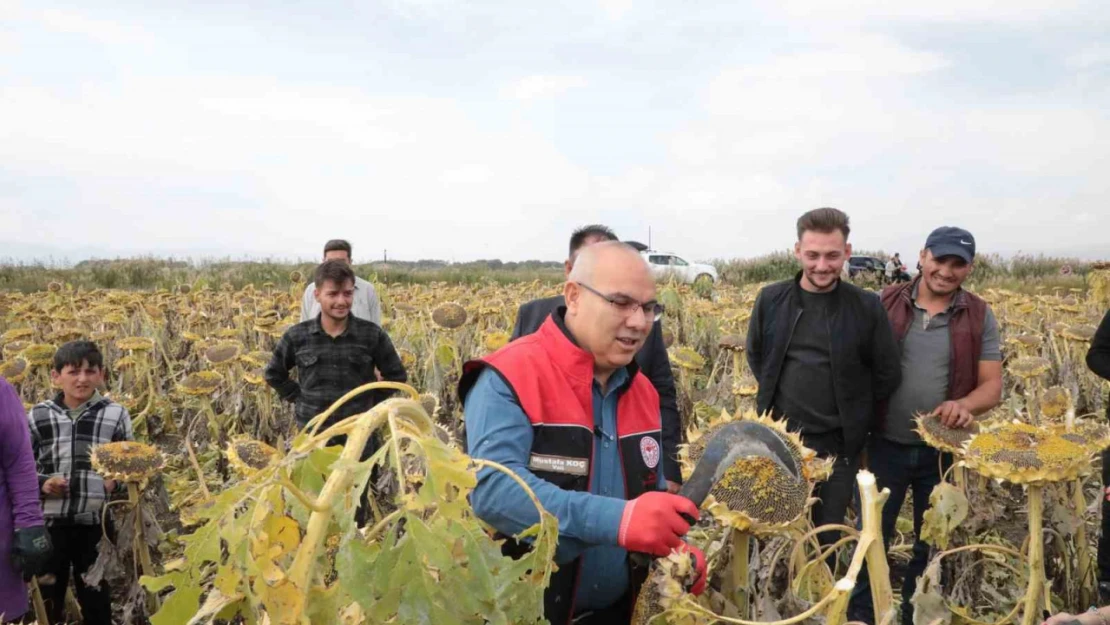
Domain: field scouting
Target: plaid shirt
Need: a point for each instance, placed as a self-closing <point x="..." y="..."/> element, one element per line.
<point x="330" y="367"/>
<point x="62" y="447"/>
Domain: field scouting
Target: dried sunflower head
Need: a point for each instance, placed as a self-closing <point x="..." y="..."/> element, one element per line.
<point x="1027" y="341"/>
<point x="1029" y="367"/>
<point x="430" y="403"/>
<point x="223" y="354"/>
<point x="495" y="340"/>
<point x="16" y="334"/>
<point x="1082" y="333"/>
<point x="14" y="370"/>
<point x="939" y="436"/>
<point x="39" y="354"/>
<point x="449" y="315"/>
<point x="686" y="358"/>
<point x="665" y="586"/>
<point x="758" y="494"/>
<point x="1093" y="435"/>
<point x="135" y="344"/>
<point x="1055" y="402"/>
<point x="66" y="335"/>
<point x="200" y="383"/>
<point x="256" y="358"/>
<point x="731" y="343"/>
<point x="14" y="347"/>
<point x="1025" y="454"/>
<point x="127" y="461"/>
<point x="255" y="377"/>
<point x="248" y="456"/>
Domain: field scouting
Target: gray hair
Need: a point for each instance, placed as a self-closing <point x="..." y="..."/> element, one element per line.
<point x="588" y="256"/>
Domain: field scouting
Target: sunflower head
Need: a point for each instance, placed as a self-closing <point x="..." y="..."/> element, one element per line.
<point x="135" y="344"/>
<point x="942" y="437"/>
<point x="200" y="383"/>
<point x="1055" y="402"/>
<point x="449" y="315"/>
<point x="39" y="354"/>
<point x="1025" y="454"/>
<point x="126" y="461"/>
<point x="731" y="343"/>
<point x="223" y="354"/>
<point x="687" y="358"/>
<point x="14" y="370"/>
<point x="248" y="456"/>
<point x="495" y="340"/>
<point x="1029" y="367"/>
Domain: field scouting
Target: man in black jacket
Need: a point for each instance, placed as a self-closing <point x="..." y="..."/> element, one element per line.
<point x="652" y="357"/>
<point x="824" y="355"/>
<point x="1098" y="361"/>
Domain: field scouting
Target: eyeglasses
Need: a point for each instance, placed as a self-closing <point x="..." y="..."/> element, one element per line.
<point x="628" y="306"/>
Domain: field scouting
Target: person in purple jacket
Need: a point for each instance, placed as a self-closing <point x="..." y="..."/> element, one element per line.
<point x="25" y="546"/>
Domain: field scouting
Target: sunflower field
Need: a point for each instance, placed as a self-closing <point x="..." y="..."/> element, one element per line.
<point x="234" y="516"/>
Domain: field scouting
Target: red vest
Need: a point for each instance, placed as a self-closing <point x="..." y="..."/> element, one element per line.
<point x="552" y="380"/>
<point x="965" y="330"/>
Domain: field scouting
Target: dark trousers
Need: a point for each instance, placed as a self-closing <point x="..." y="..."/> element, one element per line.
<point x="836" y="493"/>
<point x="900" y="468"/>
<point x="617" y="614"/>
<point x="1104" y="537"/>
<point x="76" y="545"/>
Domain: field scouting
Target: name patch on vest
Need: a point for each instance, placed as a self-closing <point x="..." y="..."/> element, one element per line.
<point x="559" y="464"/>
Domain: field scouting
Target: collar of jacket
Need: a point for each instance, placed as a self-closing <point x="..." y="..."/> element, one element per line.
<point x="959" y="300"/>
<point x="317" y="326"/>
<point x="568" y="355"/>
<point x="796" y="290"/>
<point x="59" y="402"/>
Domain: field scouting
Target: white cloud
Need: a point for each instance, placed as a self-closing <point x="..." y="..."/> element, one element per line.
<point x="843" y="114"/>
<point x="1090" y="57"/>
<point x="104" y="31"/>
<point x="1028" y="11"/>
<point x="259" y="157"/>
<point x="542" y="87"/>
<point x="615" y="9"/>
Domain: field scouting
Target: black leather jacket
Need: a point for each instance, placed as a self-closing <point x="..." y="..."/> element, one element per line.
<point x="866" y="362"/>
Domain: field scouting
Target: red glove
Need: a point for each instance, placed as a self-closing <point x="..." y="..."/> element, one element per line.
<point x="698" y="557"/>
<point x="652" y="523"/>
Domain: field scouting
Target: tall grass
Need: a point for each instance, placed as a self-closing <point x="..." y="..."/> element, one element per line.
<point x="151" y="273"/>
<point x="1022" y="272"/>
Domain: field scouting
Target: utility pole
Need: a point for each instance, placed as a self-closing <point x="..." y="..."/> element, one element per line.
<point x="649" y="237"/>
<point x="385" y="256"/>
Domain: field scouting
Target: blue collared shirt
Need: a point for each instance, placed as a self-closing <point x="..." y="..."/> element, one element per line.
<point x="498" y="430"/>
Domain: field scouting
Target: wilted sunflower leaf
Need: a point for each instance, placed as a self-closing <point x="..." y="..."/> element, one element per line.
<point x="947" y="510"/>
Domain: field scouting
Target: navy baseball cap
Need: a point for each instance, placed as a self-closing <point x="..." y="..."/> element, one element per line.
<point x="951" y="241"/>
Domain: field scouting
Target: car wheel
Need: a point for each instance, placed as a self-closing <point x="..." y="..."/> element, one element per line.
<point x="703" y="277"/>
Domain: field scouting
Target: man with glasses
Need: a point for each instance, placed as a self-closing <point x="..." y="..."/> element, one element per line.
<point x="824" y="354"/>
<point x="568" y="411"/>
<point x="652" y="358"/>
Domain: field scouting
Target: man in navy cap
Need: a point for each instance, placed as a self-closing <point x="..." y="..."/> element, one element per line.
<point x="951" y="369"/>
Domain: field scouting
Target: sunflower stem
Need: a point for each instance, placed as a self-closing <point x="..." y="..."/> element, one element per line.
<point x="1031" y="614"/>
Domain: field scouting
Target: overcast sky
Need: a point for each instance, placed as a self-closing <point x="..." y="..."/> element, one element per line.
<point x="483" y="129"/>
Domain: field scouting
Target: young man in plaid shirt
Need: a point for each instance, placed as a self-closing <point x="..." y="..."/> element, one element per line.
<point x="334" y="352"/>
<point x="63" y="432"/>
